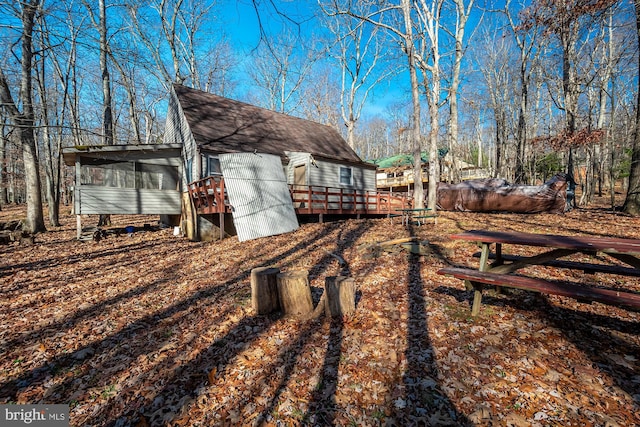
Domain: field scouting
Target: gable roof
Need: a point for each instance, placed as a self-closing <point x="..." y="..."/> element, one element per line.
<point x="227" y="126"/>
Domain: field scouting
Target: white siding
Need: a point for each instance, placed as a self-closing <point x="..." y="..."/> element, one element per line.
<point x="258" y="193"/>
<point x="177" y="131"/>
<point x="109" y="200"/>
<point x="296" y="159"/>
<point x="325" y="173"/>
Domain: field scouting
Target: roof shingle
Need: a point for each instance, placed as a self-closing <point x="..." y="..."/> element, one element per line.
<point x="227" y="126"/>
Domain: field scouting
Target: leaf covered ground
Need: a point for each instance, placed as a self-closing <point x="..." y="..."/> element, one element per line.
<point x="152" y="330"/>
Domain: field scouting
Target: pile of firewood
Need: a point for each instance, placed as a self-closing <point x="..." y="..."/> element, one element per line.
<point x="12" y="233"/>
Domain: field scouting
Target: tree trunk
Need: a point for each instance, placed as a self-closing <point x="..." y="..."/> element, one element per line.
<point x="341" y="296"/>
<point x="418" y="190"/>
<point x="24" y="121"/>
<point x="264" y="290"/>
<point x="107" y="114"/>
<point x="521" y="140"/>
<point x="632" y="201"/>
<point x="4" y="194"/>
<point x="35" y="217"/>
<point x="295" y="293"/>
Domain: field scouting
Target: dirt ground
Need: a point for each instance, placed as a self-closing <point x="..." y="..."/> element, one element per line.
<point x="151" y="329"/>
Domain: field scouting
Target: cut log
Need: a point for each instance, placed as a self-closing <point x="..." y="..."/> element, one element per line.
<point x="264" y="290"/>
<point x="295" y="293"/>
<point x="341" y="296"/>
<point x="397" y="241"/>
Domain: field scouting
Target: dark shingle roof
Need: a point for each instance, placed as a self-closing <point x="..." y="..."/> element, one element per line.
<point x="227" y="126"/>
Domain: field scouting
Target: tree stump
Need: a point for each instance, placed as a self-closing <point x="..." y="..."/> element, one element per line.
<point x="341" y="296"/>
<point x="264" y="290"/>
<point x="295" y="293"/>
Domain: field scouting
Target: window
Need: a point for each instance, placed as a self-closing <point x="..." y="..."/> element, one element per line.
<point x="213" y="166"/>
<point x="189" y="170"/>
<point x="346" y="177"/>
<point x="129" y="175"/>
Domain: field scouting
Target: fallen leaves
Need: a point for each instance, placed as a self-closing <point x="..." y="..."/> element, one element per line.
<point x="156" y="330"/>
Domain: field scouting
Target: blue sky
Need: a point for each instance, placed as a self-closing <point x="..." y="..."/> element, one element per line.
<point x="242" y="28"/>
<point x="242" y="24"/>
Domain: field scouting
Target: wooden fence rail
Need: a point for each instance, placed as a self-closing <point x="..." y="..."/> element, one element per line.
<point x="209" y="196"/>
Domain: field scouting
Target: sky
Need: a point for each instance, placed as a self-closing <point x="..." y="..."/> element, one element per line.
<point x="242" y="25"/>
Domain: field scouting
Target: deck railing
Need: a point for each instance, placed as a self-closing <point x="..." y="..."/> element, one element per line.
<point x="209" y="196"/>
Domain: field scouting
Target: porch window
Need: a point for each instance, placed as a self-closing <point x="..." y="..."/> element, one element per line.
<point x="129" y="175"/>
<point x="346" y="176"/>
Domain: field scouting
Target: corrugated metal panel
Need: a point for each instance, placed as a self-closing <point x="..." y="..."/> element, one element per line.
<point x="258" y="192"/>
<point x="109" y="200"/>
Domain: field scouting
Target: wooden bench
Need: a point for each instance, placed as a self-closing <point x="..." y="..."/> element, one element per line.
<point x="588" y="268"/>
<point x="478" y="279"/>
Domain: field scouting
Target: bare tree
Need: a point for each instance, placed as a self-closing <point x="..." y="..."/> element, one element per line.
<point x="176" y="37"/>
<point x="280" y="70"/>
<point x="495" y="65"/>
<point x="399" y="21"/>
<point x="4" y="141"/>
<point x="429" y="63"/>
<point x="526" y="42"/>
<point x="100" y="23"/>
<point x="463" y="12"/>
<point x="108" y="135"/>
<point x="373" y="139"/>
<point x="24" y="120"/>
<point x="565" y="20"/>
<point x="322" y="97"/>
<point x="359" y="51"/>
<point x="632" y="200"/>
<point x="58" y="113"/>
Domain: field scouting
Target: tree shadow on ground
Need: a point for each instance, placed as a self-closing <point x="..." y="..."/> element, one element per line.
<point x="599" y="337"/>
<point x="423" y="402"/>
<point x="221" y="354"/>
<point x="141" y="334"/>
<point x="592" y="334"/>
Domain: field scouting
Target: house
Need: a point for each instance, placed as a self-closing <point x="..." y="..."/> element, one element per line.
<point x="395" y="173"/>
<point x="457" y="170"/>
<point x="214" y="130"/>
<point x="225" y="168"/>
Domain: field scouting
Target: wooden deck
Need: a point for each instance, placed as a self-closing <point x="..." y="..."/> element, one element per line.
<point x="209" y="197"/>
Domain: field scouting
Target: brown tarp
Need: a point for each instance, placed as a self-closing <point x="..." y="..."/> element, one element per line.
<point x="497" y="195"/>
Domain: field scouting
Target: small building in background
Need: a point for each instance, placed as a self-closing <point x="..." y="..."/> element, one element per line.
<point x="395" y="173"/>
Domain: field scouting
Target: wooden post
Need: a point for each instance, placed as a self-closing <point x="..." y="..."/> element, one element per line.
<point x="341" y="296"/>
<point x="221" y="223"/>
<point x="78" y="226"/>
<point x="264" y="290"/>
<point x="294" y="292"/>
